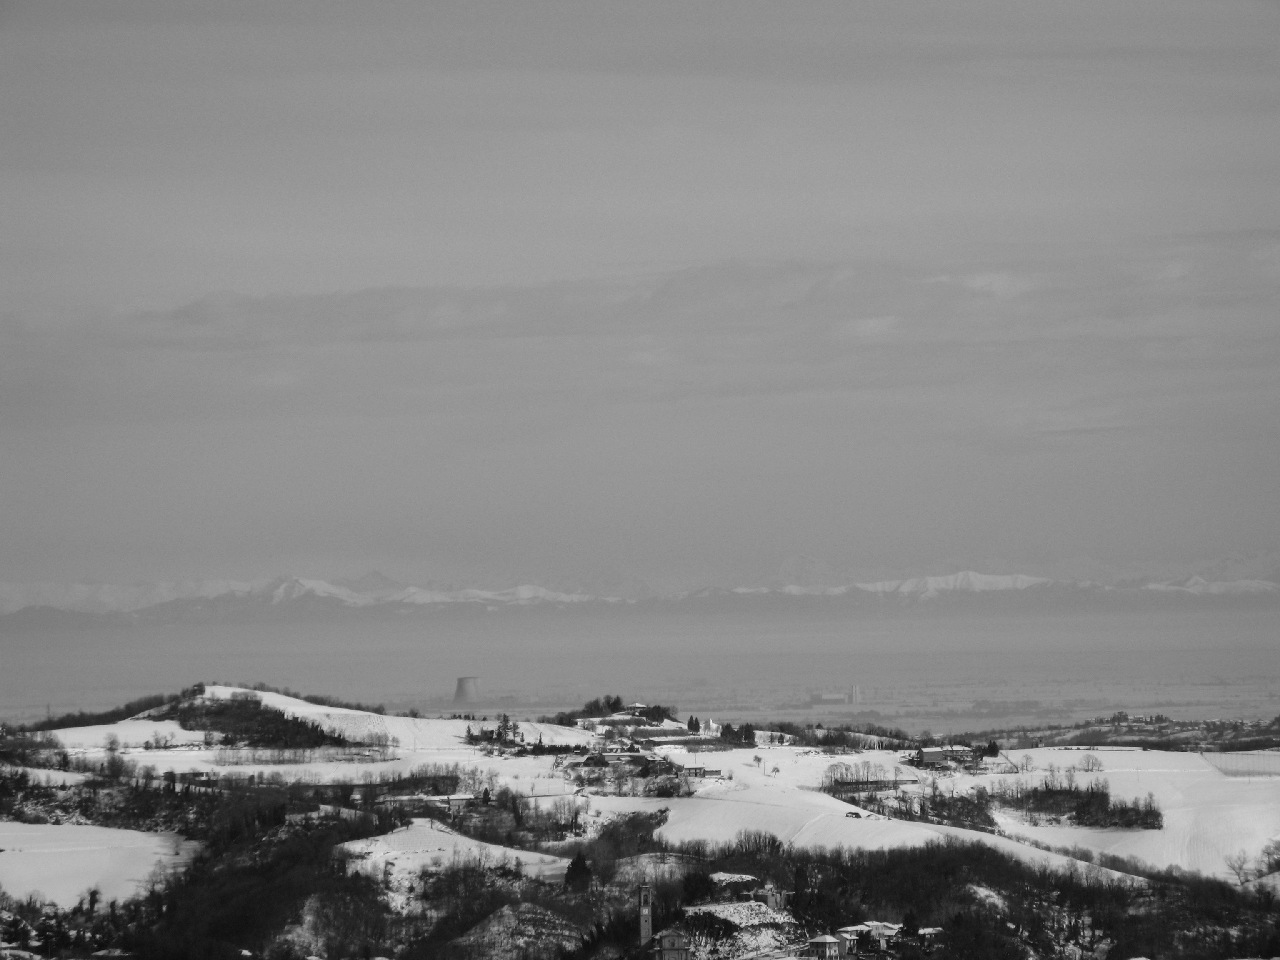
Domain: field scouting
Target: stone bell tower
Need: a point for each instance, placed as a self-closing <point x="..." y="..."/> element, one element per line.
<point x="646" y="913"/>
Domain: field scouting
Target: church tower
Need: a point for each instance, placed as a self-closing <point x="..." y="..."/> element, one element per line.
<point x="646" y="913"/>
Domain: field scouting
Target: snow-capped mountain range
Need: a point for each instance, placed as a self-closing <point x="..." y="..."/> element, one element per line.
<point x="377" y="591"/>
<point x="370" y="591"/>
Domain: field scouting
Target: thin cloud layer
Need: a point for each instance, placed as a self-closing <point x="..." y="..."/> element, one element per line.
<point x="160" y="151"/>
<point x="505" y="291"/>
<point x="708" y="422"/>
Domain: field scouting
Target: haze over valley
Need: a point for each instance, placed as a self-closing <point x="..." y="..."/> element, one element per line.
<point x="958" y="651"/>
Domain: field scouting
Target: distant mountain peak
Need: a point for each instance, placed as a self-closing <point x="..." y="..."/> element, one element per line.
<point x="966" y="581"/>
<point x="1199" y="586"/>
<point x="373" y="583"/>
<point x="286" y="589"/>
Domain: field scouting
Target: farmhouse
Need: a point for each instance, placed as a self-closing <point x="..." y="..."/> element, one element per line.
<point x="823" y="946"/>
<point x="935" y="758"/>
<point x="416" y="804"/>
<point x="874" y="935"/>
<point x="622" y="748"/>
<point x="451" y="802"/>
<point x="650" y="737"/>
<point x="696" y="770"/>
<point x="593" y="767"/>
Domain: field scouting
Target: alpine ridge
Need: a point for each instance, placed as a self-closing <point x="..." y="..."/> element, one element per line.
<point x="212" y="598"/>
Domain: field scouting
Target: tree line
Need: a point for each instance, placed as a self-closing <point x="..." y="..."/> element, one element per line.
<point x="608" y="705"/>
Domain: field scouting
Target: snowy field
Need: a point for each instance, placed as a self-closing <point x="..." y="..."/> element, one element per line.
<point x="50" y="778"/>
<point x="788" y="805"/>
<point x="414" y="734"/>
<point x="60" y="863"/>
<point x="720" y="817"/>
<point x="131" y="734"/>
<point x="1246" y="763"/>
<point x="419" y="742"/>
<point x="529" y="775"/>
<point x="429" y="845"/>
<point x="1207" y="814"/>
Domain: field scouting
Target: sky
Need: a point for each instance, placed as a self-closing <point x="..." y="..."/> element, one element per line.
<point x="602" y="293"/>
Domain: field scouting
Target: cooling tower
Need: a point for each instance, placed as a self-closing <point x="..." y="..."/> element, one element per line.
<point x="467" y="691"/>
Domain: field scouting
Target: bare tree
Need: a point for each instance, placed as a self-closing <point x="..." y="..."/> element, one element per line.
<point x="1090" y="763"/>
<point x="1269" y="859"/>
<point x="1238" y="863"/>
<point x="116" y="766"/>
<point x="837" y="772"/>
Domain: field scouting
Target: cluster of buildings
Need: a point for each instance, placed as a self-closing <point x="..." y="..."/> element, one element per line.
<point x="627" y="745"/>
<point x="864" y="939"/>
<point x="820" y="698"/>
<point x="632" y="722"/>
<point x="630" y="758"/>
<point x="872" y="938"/>
<point x="945" y="758"/>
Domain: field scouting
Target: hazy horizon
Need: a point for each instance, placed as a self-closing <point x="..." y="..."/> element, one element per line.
<point x="911" y="663"/>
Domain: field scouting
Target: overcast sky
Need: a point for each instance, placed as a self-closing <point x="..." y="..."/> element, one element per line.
<point x="671" y="292"/>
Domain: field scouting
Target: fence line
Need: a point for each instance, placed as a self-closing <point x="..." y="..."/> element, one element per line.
<point x="1251" y="763"/>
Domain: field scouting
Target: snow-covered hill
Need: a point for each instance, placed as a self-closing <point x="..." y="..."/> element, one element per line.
<point x="411" y="734"/>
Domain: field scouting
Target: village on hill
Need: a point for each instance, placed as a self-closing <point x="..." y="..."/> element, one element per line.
<point x="232" y="821"/>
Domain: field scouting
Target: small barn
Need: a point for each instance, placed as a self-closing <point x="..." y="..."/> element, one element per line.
<point x="936" y="758"/>
<point x="452" y="802"/>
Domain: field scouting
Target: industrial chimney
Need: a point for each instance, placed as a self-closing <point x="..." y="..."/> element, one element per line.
<point x="467" y="691"/>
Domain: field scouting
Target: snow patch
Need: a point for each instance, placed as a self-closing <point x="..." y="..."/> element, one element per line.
<point x="59" y="862"/>
<point x="746" y="913"/>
